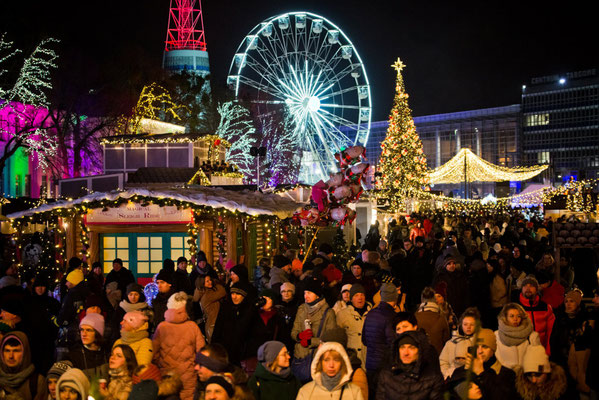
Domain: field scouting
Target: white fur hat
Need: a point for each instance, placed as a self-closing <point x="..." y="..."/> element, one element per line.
<point x="536" y="360"/>
<point x="177" y="300"/>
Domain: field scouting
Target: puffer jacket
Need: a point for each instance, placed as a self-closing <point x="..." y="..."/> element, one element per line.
<point x="554" y="387"/>
<point x="266" y="385"/>
<point x="378" y="335"/>
<point x="542" y="317"/>
<point x="512" y="356"/>
<point x="176" y="342"/>
<point x="350" y="320"/>
<point x="421" y="380"/>
<point x="316" y="315"/>
<point x="140" y="343"/>
<point x="447" y="357"/>
<point x="345" y="390"/>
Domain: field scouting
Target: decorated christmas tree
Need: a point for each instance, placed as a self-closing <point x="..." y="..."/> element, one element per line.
<point x="402" y="162"/>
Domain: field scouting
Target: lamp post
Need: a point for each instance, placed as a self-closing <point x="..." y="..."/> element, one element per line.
<point x="258" y="152"/>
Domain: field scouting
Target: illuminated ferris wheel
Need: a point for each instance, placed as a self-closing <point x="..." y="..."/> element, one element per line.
<point x="304" y="65"/>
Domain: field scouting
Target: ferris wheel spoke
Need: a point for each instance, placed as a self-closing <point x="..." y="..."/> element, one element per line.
<point x="259" y="86"/>
<point x="263" y="73"/>
<point x="329" y="116"/>
<point x="337" y="93"/>
<point x="349" y="107"/>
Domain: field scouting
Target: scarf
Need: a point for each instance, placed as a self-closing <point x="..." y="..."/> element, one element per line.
<point x="514" y="335"/>
<point x="132" y="337"/>
<point x="362" y="310"/>
<point x="267" y="315"/>
<point x="16" y="379"/>
<point x="284" y="373"/>
<point x="429" y="306"/>
<point x="128" y="307"/>
<point x="329" y="382"/>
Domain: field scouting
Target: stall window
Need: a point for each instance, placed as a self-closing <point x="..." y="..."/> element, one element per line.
<point x="180" y="247"/>
<point x="115" y="247"/>
<point x="149" y="254"/>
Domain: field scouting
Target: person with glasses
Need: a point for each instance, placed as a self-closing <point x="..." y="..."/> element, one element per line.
<point x="540" y="379"/>
<point x="273" y="378"/>
<point x="91" y="355"/>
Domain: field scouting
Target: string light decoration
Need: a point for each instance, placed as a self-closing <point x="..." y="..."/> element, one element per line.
<point x="402" y="161"/>
<point x="165" y="138"/>
<point x="154" y="100"/>
<point x="466" y="166"/>
<point x="84" y="238"/>
<point x="237" y="128"/>
<point x="24" y="102"/>
<point x="221" y="237"/>
<point x="199" y="178"/>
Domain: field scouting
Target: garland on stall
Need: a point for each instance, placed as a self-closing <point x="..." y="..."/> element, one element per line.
<point x="84" y="238"/>
<point x="284" y="236"/>
<point x="221" y="236"/>
<point x="192" y="232"/>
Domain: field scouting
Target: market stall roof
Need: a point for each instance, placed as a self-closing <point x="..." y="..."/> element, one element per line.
<point x="171" y="137"/>
<point x="245" y="201"/>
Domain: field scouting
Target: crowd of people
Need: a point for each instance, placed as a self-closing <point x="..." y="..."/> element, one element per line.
<point x="464" y="308"/>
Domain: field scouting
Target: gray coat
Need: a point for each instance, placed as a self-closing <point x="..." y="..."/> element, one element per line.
<point x="315" y="314"/>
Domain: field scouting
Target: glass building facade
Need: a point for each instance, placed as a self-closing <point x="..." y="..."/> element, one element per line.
<point x="560" y="124"/>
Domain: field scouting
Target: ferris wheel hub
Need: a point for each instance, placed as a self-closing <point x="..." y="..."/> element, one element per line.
<point x="311" y="103"/>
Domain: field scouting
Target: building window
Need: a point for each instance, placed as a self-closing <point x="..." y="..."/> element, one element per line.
<point x="149" y="254"/>
<point x="537" y="119"/>
<point x="543" y="157"/>
<point x="115" y="247"/>
<point x="180" y="248"/>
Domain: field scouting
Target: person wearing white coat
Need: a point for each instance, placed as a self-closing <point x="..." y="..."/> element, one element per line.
<point x="352" y="318"/>
<point x="466" y="328"/>
<point x="331" y="374"/>
<point x="514" y="336"/>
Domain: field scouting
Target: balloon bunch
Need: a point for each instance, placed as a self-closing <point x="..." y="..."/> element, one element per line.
<point x="329" y="200"/>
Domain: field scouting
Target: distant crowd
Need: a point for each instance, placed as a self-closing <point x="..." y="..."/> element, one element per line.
<point x="459" y="308"/>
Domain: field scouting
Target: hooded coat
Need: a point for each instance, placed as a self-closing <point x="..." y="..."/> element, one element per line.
<point x="231" y="329"/>
<point x="344" y="390"/>
<point x="419" y="380"/>
<point x="435" y="325"/>
<point x="447" y="356"/>
<point x="21" y="381"/>
<point x="511" y="354"/>
<point x="176" y="342"/>
<point x="209" y="300"/>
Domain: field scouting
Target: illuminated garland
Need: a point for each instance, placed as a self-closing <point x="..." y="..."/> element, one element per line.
<point x="468" y="167"/>
<point x="84" y="238"/>
<point x="221" y="236"/>
<point x="165" y="138"/>
<point x="228" y="174"/>
<point x="199" y="177"/>
<point x="266" y="233"/>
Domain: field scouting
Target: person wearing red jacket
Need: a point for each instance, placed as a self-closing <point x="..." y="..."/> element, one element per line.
<point x="539" y="312"/>
<point x="553" y="292"/>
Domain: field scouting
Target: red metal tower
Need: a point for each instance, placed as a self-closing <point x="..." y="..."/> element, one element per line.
<point x="185" y="26"/>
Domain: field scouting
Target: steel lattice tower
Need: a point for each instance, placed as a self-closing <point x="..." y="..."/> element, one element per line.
<point x="185" y="44"/>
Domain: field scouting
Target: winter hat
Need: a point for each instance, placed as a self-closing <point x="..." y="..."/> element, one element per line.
<point x="239" y="289"/>
<point x="346" y="287"/>
<point x="59" y="368"/>
<point x="314" y="286"/>
<point x="177" y="301"/>
<point x="144" y="390"/>
<point x="461" y="348"/>
<point x="388" y="292"/>
<point x="575" y="295"/>
<point x="441" y="289"/>
<point x="269" y="293"/>
<point x="497" y="247"/>
<point x="385" y="277"/>
<point x="165" y="275"/>
<point x="449" y="259"/>
<point x="75" y="277"/>
<point x="530" y="280"/>
<point x="406" y="338"/>
<point x="332" y="273"/>
<point x="93" y="300"/>
<point x="355" y="289"/>
<point x="223" y="382"/>
<point x="269" y="351"/>
<point x="14" y="307"/>
<point x="151" y="371"/>
<point x="74" y="378"/>
<point x="168" y="265"/>
<point x="201" y="256"/>
<point x="486" y="337"/>
<point x="212" y="363"/>
<point x="338" y="335"/>
<point x="280" y="261"/>
<point x="296" y="265"/>
<point x="135" y="287"/>
<point x="536" y="360"/>
<point x="241" y="271"/>
<point x="40" y="281"/>
<point x="136" y="319"/>
<point x="288" y="286"/>
<point x="94" y="320"/>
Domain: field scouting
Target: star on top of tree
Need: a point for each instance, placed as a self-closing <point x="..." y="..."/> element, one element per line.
<point x="398" y="65"/>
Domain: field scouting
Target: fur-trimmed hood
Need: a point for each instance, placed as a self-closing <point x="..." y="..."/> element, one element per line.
<point x="554" y="387"/>
<point x="326" y="346"/>
<point x="169" y="385"/>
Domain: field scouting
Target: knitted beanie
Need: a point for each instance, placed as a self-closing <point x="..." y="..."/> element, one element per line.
<point x="280" y="261"/>
<point x="59" y="368"/>
<point x="288" y="286"/>
<point x="94" y="320"/>
<point x="486" y="337"/>
<point x="75" y="277"/>
<point x="269" y="351"/>
<point x="355" y="289"/>
<point x="222" y="381"/>
<point x="338" y="335"/>
<point x="530" y="280"/>
<point x="151" y="371"/>
<point x="296" y="265"/>
<point x="536" y="360"/>
<point x="74" y="378"/>
<point x="346" y="287"/>
<point x="388" y="292"/>
<point x="441" y="289"/>
<point x="136" y="319"/>
<point x="240" y="289"/>
<point x="575" y="295"/>
<point x="177" y="300"/>
<point x="165" y="275"/>
<point x="314" y="286"/>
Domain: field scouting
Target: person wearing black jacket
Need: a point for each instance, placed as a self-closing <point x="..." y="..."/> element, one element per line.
<point x="410" y="374"/>
<point x="121" y="275"/>
<point x="181" y="280"/>
<point x="164" y="280"/>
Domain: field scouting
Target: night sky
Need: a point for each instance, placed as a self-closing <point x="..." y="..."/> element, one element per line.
<point x="459" y="56"/>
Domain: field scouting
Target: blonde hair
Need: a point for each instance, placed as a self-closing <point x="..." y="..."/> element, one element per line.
<point x="512" y="306"/>
<point x="337" y="356"/>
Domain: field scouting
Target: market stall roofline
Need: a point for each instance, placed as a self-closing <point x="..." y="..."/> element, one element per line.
<point x="248" y="202"/>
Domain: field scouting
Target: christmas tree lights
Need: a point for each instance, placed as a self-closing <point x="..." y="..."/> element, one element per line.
<point x="402" y="162"/>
